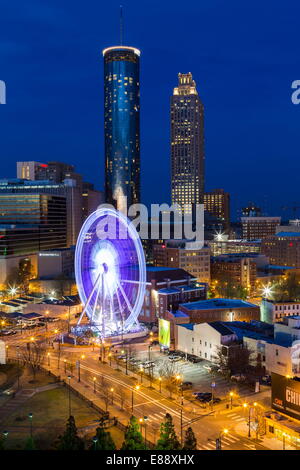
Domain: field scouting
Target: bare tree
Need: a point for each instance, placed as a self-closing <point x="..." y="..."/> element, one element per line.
<point x="123" y="395"/>
<point x="34" y="355"/>
<point x="105" y="392"/>
<point x="168" y="372"/>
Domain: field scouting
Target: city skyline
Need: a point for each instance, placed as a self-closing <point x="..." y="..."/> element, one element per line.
<point x="235" y="80"/>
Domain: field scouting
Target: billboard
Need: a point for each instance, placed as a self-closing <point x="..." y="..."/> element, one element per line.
<point x="164" y="333"/>
<point x="286" y="395"/>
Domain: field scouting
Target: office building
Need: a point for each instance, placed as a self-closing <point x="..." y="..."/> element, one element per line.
<point x="122" y="125"/>
<point x="217" y="203"/>
<point x="187" y="144"/>
<point x="51" y="171"/>
<point x="91" y="199"/>
<point x="190" y="256"/>
<point x="226" y="247"/>
<point x="165" y="289"/>
<point x="258" y="228"/>
<point x="283" y="249"/>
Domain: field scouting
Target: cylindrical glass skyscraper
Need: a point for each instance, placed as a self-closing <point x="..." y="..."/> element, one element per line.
<point x="122" y="125"/>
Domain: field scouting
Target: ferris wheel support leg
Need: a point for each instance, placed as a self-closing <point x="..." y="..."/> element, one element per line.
<point x="89" y="299"/>
<point x="96" y="302"/>
<point x="111" y="306"/>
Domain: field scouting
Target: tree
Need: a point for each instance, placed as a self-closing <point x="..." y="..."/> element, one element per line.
<point x="2" y="444"/>
<point x="70" y="439"/>
<point x="34" y="355"/>
<point x="190" y="441"/>
<point x="167" y="439"/>
<point x="103" y="438"/>
<point x="133" y="437"/>
<point x="168" y="372"/>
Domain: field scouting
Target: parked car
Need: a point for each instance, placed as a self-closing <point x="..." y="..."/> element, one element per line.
<point x="186" y="385"/>
<point x="202" y="394"/>
<point x="195" y="360"/>
<point x="174" y="358"/>
<point x="148" y="364"/>
<point x="155" y="342"/>
<point x="238" y="378"/>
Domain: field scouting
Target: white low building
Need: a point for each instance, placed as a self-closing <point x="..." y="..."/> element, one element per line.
<point x="204" y="339"/>
<point x="272" y="312"/>
<point x="2" y="352"/>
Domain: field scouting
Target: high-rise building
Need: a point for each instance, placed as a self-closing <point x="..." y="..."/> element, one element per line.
<point x="216" y="202"/>
<point x="51" y="171"/>
<point x="187" y="143"/>
<point x="122" y="125"/>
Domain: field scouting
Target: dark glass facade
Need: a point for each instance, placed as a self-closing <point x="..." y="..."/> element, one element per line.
<point x="31" y="223"/>
<point x="122" y="125"/>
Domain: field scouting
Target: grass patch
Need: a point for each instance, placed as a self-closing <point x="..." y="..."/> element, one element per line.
<point x="50" y="411"/>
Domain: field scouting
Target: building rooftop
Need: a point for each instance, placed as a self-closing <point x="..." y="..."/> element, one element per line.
<point x="188" y="326"/>
<point x="217" y="303"/>
<point x="276" y="266"/>
<point x="288" y="234"/>
<point x="221" y="328"/>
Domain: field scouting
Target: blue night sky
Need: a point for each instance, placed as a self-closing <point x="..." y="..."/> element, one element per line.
<point x="243" y="56"/>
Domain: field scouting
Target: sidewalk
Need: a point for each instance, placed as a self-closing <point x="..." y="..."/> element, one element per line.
<point x="270" y="442"/>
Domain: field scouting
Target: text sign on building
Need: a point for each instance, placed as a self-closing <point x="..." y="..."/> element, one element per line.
<point x="164" y="333"/>
<point x="286" y="395"/>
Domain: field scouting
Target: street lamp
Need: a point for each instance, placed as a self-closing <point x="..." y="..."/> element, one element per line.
<point x="48" y="355"/>
<point x="231" y="398"/>
<point x="82" y="357"/>
<point x="219" y="440"/>
<point x="137" y="387"/>
<point x="213" y="384"/>
<point x="30" y="416"/>
<point x="95" y="440"/>
<point x="141" y="372"/>
<point x="65" y="362"/>
<point x="69" y="380"/>
<point x="160" y="380"/>
<point x="112" y="395"/>
<point x="109" y="355"/>
<point x="126" y="356"/>
<point x="94" y="382"/>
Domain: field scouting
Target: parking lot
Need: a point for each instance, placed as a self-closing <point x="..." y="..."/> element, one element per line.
<point x="202" y="379"/>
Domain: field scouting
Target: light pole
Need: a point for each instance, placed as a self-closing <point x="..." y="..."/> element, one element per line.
<point x="160" y="380"/>
<point x="109" y="355"/>
<point x="82" y="357"/>
<point x="213" y="384"/>
<point x="48" y="355"/>
<point x="126" y="365"/>
<point x="30" y="416"/>
<point x="145" y="420"/>
<point x="231" y="398"/>
<point x="137" y="387"/>
<point x="112" y="395"/>
<point x="69" y="380"/>
<point x="94" y="382"/>
<point x="5" y="434"/>
<point x="95" y="440"/>
<point x="65" y="363"/>
<point x="219" y="440"/>
<point x="141" y="371"/>
<point x="246" y="405"/>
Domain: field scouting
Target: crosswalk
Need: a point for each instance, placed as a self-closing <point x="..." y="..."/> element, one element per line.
<point x="158" y="418"/>
<point x="226" y="441"/>
<point x="235" y="417"/>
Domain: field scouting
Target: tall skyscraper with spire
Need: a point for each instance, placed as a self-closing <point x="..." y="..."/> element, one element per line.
<point x="122" y="124"/>
<point x="187" y="144"/>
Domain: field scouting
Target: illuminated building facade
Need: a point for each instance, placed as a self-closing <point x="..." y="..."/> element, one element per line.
<point x="187" y="143"/>
<point x="217" y="203"/>
<point x="258" y="228"/>
<point x="122" y="125"/>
